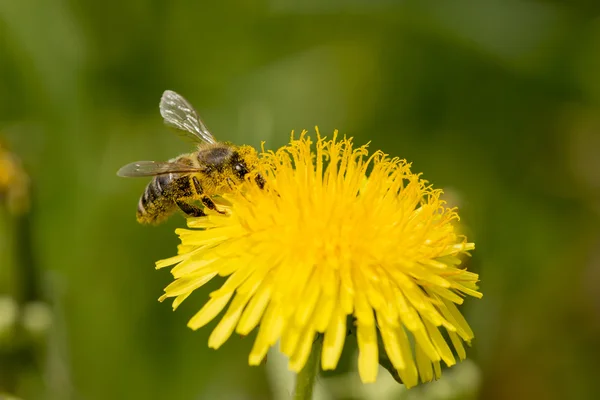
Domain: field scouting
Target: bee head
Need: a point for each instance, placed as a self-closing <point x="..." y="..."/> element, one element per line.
<point x="240" y="169"/>
<point x="244" y="161"/>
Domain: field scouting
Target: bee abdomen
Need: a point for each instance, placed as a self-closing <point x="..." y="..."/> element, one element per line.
<point x="155" y="205"/>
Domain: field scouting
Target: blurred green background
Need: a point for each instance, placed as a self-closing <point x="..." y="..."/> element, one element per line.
<point x="497" y="102"/>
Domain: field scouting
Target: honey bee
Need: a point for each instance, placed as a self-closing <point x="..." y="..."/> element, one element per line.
<point x="213" y="169"/>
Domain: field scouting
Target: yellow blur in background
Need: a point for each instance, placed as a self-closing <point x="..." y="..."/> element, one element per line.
<point x="496" y="102"/>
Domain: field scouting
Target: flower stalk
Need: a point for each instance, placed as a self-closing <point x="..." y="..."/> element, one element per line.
<point x="305" y="379"/>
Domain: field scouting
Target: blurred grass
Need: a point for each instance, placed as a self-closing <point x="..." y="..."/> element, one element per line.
<point x="496" y="101"/>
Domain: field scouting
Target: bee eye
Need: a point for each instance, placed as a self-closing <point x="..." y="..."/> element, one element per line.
<point x="240" y="169"/>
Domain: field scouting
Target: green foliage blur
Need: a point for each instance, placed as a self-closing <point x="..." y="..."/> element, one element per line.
<point x="497" y="102"/>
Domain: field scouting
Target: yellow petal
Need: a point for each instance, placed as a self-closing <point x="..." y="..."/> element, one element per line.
<point x="391" y="344"/>
<point x="289" y="339"/>
<point x="458" y="346"/>
<point x="335" y="335"/>
<point x="368" y="357"/>
<point x="179" y="299"/>
<point x="269" y="328"/>
<point x="424" y="342"/>
<point x="255" y="309"/>
<point x="424" y="365"/>
<point x="210" y="310"/>
<point x="440" y="344"/>
<point x="462" y="327"/>
<point x="188" y="284"/>
<point x="409" y="374"/>
<point x="298" y="359"/>
<point x="225" y="327"/>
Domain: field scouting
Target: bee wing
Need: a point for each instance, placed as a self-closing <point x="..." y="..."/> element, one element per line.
<point x="153" y="168"/>
<point x="178" y="113"/>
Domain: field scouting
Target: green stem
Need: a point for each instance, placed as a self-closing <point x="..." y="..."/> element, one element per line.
<point x="305" y="380"/>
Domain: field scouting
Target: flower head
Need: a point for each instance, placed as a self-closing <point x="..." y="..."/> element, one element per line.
<point x="334" y="233"/>
<point x="14" y="182"/>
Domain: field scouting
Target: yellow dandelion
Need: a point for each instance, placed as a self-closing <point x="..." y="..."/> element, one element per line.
<point x="335" y="233"/>
<point x="14" y="182"/>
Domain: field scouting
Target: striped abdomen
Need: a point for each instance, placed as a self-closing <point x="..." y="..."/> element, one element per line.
<point x="157" y="202"/>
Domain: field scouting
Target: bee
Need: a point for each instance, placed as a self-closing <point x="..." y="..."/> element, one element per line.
<point x="213" y="169"/>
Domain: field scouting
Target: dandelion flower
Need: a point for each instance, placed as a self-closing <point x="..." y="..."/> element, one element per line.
<point x="335" y="233"/>
<point x="14" y="183"/>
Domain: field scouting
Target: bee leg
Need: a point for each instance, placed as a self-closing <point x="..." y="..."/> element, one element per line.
<point x="260" y="181"/>
<point x="190" y="209"/>
<point x="208" y="203"/>
<point x="231" y="184"/>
